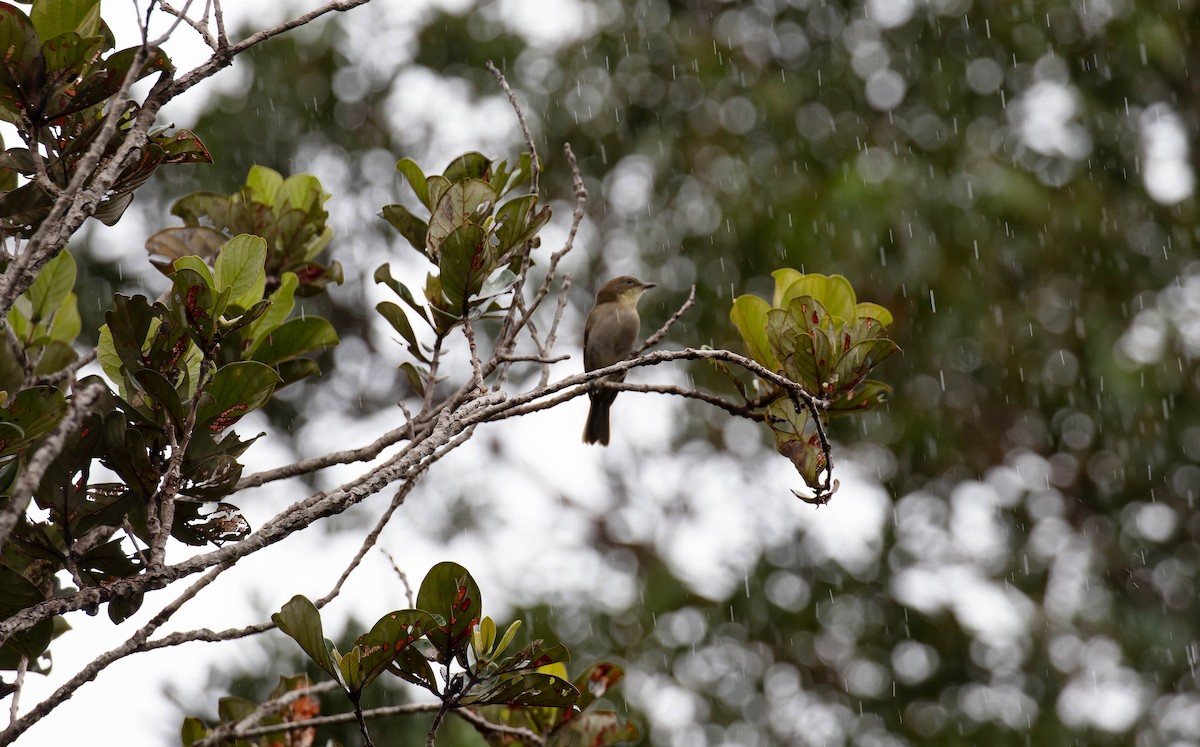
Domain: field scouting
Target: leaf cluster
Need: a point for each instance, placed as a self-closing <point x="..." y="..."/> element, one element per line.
<point x="476" y="244"/>
<point x="186" y="369"/>
<point x="524" y="688"/>
<point x="815" y="332"/>
<point x="58" y="80"/>
<point x="288" y="214"/>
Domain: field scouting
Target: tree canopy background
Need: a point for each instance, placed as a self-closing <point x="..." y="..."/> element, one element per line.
<point x="1014" y="181"/>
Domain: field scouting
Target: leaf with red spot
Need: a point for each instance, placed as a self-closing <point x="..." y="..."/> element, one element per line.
<point x="594" y="729"/>
<point x="21" y="64"/>
<point x="452" y="597"/>
<point x="528" y="689"/>
<point x="454" y="209"/>
<point x="595" y="681"/>
<point x="387" y="641"/>
<point x="236" y="389"/>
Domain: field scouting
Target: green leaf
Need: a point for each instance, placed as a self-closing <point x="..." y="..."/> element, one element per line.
<point x="196" y="265"/>
<point x="52" y="286"/>
<point x="796" y="438"/>
<point x="236" y="389"/>
<point x="868" y="310"/>
<point x="197" y="305"/>
<point x="157" y="389"/>
<point x="507" y="638"/>
<point x="350" y="668"/>
<point x="234" y="708"/>
<point x="784" y="277"/>
<point x="482" y="638"/>
<point x="29" y="415"/>
<point x="399" y="321"/>
<point x="504" y="180"/>
<point x="283" y="300"/>
<point x="535" y="655"/>
<point x="464" y="264"/>
<point x="192" y="731"/>
<point x="300" y="191"/>
<point x="106" y="354"/>
<point x="749" y="315"/>
<point x="410" y="226"/>
<point x="833" y="291"/>
<point x="294" y="370"/>
<point x="55" y="356"/>
<point x="415" y="376"/>
<point x="262" y="184"/>
<point x="453" y="210"/>
<point x="436" y="186"/>
<point x="416" y="179"/>
<point x="300" y="620"/>
<point x="413" y="667"/>
<point x="241" y="265"/>
<point x="67" y="324"/>
<point x="471" y="165"/>
<point x="54" y="17"/>
<point x="450" y="593"/>
<point x="294" y="338"/>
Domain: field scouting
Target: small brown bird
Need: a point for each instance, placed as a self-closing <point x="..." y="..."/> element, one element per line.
<point x="612" y="328"/>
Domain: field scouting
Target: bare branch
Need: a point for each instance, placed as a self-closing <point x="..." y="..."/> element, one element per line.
<point x="89" y="672"/>
<point x="332" y="719"/>
<point x="315" y="464"/>
<point x="242" y="729"/>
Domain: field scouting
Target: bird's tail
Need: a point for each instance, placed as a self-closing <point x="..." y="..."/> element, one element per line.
<point x="596" y="430"/>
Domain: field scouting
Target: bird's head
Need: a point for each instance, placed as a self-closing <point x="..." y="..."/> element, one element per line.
<point x="624" y="290"/>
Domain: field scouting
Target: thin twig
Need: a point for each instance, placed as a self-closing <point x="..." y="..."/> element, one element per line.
<point x="476" y="369"/>
<point x="552" y="335"/>
<point x="653" y="339"/>
<point x="534" y="169"/>
<point x="534" y="359"/>
<point x="431" y="737"/>
<point x="408" y="591"/>
<point x="199" y="26"/>
<point x="18" y="684"/>
<point x="370" y="540"/>
<point x="482" y="724"/>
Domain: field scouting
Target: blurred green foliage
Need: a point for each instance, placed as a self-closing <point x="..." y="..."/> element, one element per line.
<point x="1008" y="180"/>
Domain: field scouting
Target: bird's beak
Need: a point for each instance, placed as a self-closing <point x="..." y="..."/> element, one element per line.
<point x="648" y="285"/>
